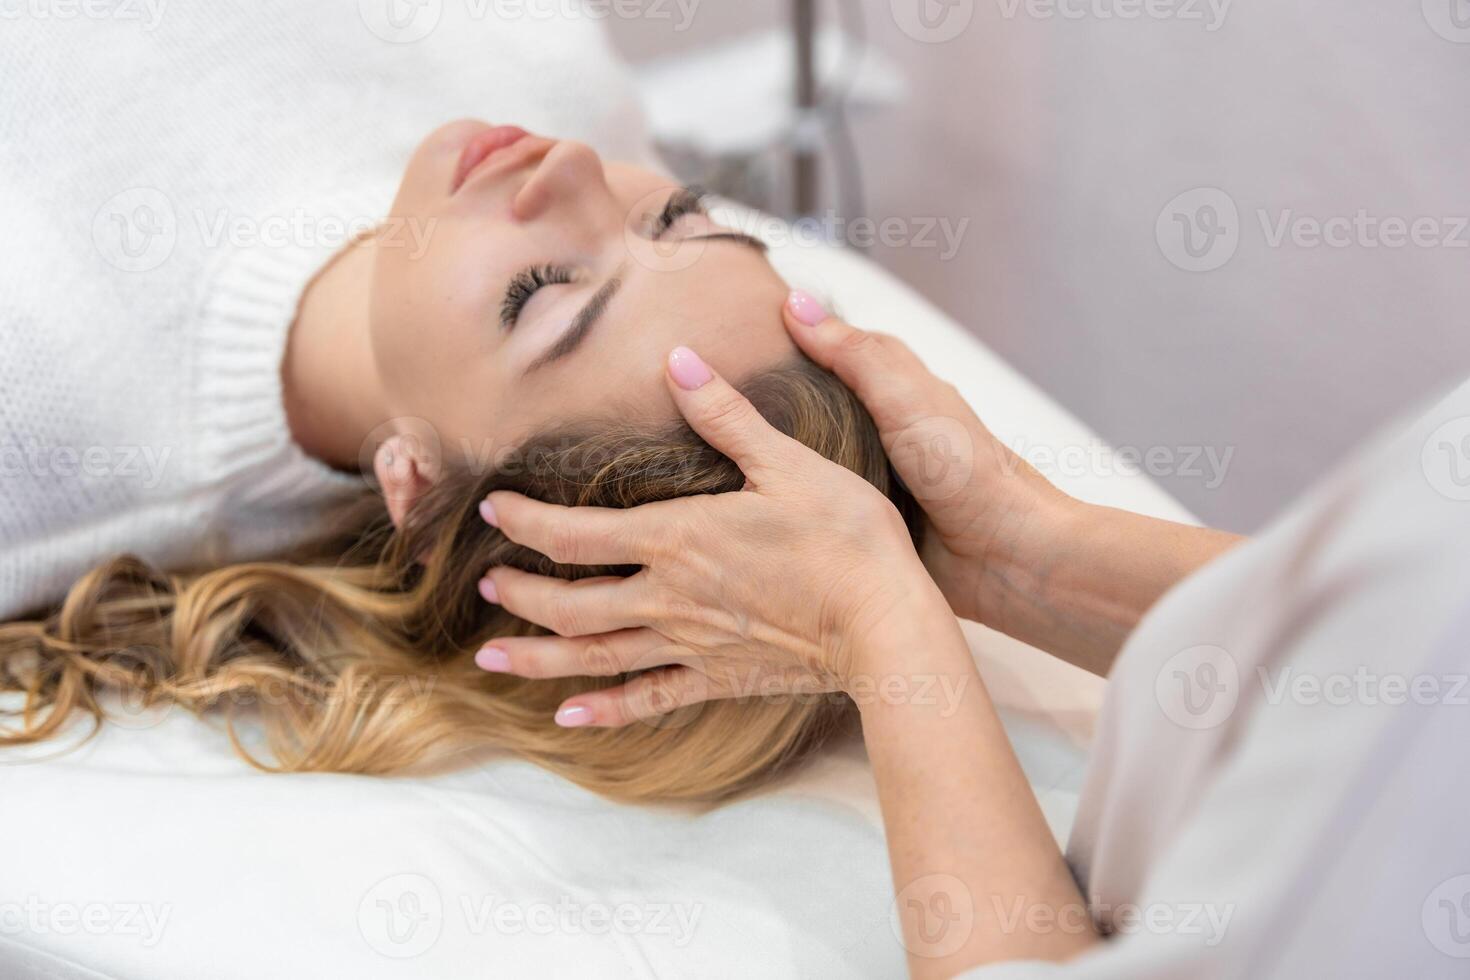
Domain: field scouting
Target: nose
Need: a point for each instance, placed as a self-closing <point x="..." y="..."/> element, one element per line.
<point x="569" y="177"/>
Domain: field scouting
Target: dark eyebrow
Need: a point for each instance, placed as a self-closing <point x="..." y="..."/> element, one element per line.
<point x="582" y="325"/>
<point x="749" y="241"/>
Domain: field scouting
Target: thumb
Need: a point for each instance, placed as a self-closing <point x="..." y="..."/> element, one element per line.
<point x="888" y="378"/>
<point x="726" y="419"/>
<point x="931" y="434"/>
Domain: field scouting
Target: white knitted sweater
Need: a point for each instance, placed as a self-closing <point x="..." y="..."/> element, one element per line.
<point x="171" y="175"/>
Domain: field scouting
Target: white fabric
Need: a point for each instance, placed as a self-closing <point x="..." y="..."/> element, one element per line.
<point x="260" y="875"/>
<point x="169" y="184"/>
<point x="1278" y="783"/>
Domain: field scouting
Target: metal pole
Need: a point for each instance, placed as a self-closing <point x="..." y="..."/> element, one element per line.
<point x="804" y="157"/>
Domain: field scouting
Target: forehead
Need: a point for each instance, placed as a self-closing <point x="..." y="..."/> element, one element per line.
<point x="726" y="305"/>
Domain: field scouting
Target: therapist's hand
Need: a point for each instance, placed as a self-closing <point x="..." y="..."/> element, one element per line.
<point x="794" y="584"/>
<point x="1008" y="549"/>
<point x="977" y="495"/>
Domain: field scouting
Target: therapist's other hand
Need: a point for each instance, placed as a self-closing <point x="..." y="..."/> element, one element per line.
<point x="977" y="495"/>
<point x="782" y="586"/>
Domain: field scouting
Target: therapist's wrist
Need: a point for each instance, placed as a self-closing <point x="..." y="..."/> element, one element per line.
<point x="985" y="574"/>
<point x="1074" y="578"/>
<point x="1030" y="577"/>
<point x="917" y="638"/>
<point x="1020" y="552"/>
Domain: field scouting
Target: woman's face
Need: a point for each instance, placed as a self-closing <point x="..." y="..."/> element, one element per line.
<point x="552" y="287"/>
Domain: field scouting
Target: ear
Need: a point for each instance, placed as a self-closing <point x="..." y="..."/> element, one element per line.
<point x="403" y="473"/>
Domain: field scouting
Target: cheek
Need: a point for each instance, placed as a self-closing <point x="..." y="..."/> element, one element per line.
<point x="437" y="294"/>
<point x="396" y="309"/>
<point x="431" y="323"/>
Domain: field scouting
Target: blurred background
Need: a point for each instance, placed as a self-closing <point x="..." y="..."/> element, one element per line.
<point x="1230" y="236"/>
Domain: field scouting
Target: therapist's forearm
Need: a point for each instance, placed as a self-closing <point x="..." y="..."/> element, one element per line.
<point x="1074" y="579"/>
<point x="978" y="875"/>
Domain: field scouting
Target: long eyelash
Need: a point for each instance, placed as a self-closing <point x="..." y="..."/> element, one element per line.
<point x="524" y="285"/>
<point x="686" y="200"/>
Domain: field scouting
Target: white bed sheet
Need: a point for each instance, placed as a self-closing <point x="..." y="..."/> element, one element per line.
<point x="153" y="852"/>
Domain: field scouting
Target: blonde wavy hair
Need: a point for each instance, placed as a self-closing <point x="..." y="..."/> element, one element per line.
<point x="357" y="655"/>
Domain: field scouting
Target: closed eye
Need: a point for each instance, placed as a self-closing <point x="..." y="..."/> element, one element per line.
<point x="690" y="200"/>
<point x="685" y="200"/>
<point x="525" y="284"/>
<point x="531" y="280"/>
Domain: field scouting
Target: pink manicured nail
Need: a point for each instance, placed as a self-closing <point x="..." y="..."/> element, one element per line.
<point x="487" y="589"/>
<point x="687" y="370"/>
<point x="493" y="659"/>
<point x="805" y="308"/>
<point x="574" y="716"/>
<point x="487" y="511"/>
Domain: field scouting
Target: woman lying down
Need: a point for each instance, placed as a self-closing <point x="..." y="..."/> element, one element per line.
<point x="515" y="343"/>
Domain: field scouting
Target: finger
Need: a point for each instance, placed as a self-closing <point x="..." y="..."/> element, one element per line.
<point x="599" y="655"/>
<point x="572" y="535"/>
<point x="575" y="608"/>
<point x="645" y="697"/>
<point x="932" y="436"/>
<point x="727" y="420"/>
<point x="888" y="378"/>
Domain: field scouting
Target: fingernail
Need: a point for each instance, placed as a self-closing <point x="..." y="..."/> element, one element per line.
<point x="493" y="659"/>
<point x="687" y="370"/>
<point x="573" y="716"/>
<point x="487" y="511"/>
<point x="805" y="308"/>
<point x="487" y="589"/>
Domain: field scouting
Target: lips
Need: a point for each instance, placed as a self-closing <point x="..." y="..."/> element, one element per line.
<point x="481" y="148"/>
